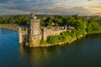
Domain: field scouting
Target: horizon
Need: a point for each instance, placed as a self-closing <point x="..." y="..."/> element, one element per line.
<point x="58" y="7"/>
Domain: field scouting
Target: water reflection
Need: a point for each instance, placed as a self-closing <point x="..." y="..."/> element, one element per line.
<point x="94" y="36"/>
<point x="39" y="55"/>
<point x="81" y="53"/>
<point x="43" y="56"/>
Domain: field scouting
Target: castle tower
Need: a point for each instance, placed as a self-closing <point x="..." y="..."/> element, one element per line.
<point x="35" y="31"/>
<point x="20" y="36"/>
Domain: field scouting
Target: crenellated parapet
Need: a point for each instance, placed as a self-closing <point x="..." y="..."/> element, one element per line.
<point x="46" y="31"/>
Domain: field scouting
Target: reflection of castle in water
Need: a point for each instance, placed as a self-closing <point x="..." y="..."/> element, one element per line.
<point x="32" y="34"/>
<point x="39" y="55"/>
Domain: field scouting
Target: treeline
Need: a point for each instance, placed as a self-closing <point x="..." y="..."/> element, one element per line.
<point x="60" y="20"/>
<point x="18" y="19"/>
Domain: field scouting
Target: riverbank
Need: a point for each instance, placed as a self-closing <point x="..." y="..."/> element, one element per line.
<point x="58" y="44"/>
<point x="9" y="26"/>
<point x="65" y="43"/>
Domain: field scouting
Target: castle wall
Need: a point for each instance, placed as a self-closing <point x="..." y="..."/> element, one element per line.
<point x="20" y="36"/>
<point x="23" y="33"/>
<point x="46" y="32"/>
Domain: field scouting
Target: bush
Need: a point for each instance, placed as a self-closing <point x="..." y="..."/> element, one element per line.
<point x="43" y="42"/>
<point x="54" y="39"/>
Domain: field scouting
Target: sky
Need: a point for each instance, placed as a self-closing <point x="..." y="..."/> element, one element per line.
<point x="65" y="7"/>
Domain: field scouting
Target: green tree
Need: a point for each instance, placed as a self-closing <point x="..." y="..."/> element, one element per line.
<point x="94" y="27"/>
<point x="11" y="20"/>
<point x="53" y="39"/>
<point x="71" y="21"/>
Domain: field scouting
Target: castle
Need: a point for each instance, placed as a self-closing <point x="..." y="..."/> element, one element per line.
<point x="31" y="34"/>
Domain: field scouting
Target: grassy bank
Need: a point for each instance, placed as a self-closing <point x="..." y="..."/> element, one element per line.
<point x="46" y="44"/>
<point x="62" y="39"/>
<point x="9" y="26"/>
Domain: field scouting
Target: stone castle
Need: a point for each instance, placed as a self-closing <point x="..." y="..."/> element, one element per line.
<point x="31" y="34"/>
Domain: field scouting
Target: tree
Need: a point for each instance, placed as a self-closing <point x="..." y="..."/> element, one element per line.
<point x="53" y="39"/>
<point x="80" y="25"/>
<point x="94" y="27"/>
<point x="1" y="20"/>
<point x="11" y="20"/>
<point x="71" y="21"/>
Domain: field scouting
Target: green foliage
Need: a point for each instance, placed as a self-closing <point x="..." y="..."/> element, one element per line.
<point x="53" y="39"/>
<point x="43" y="42"/>
<point x="80" y="25"/>
<point x="71" y="21"/>
<point x="11" y="20"/>
<point x="66" y="37"/>
<point x="21" y="20"/>
<point x="63" y="37"/>
<point x="94" y="27"/>
<point x="1" y="20"/>
<point x="42" y="23"/>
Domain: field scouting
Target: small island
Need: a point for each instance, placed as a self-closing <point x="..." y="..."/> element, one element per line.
<point x="52" y="30"/>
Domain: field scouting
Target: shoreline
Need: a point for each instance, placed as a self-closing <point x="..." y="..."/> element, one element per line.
<point x="59" y="44"/>
<point x="15" y="28"/>
<point x="63" y="43"/>
<point x="52" y="45"/>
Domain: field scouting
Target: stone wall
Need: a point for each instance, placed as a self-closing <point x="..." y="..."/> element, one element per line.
<point x="23" y="32"/>
<point x="46" y="32"/>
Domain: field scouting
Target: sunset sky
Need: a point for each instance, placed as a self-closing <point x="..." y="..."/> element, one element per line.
<point x="65" y="7"/>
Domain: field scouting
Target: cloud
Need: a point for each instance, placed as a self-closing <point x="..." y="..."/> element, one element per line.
<point x="92" y="0"/>
<point x="49" y="6"/>
<point x="94" y="9"/>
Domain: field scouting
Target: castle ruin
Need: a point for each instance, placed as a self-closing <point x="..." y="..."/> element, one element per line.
<point x="32" y="34"/>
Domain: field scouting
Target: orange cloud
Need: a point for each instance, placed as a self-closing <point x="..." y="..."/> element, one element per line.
<point x="94" y="9"/>
<point x="91" y="0"/>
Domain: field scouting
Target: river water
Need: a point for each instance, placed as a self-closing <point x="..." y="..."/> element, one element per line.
<point x="85" y="52"/>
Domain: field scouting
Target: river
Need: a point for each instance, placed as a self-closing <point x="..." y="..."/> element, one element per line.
<point x="85" y="52"/>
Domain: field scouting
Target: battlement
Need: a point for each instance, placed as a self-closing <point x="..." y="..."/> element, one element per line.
<point x="35" y="20"/>
<point x="46" y="31"/>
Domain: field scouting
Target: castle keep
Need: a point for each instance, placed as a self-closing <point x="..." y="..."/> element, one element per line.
<point x="31" y="34"/>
